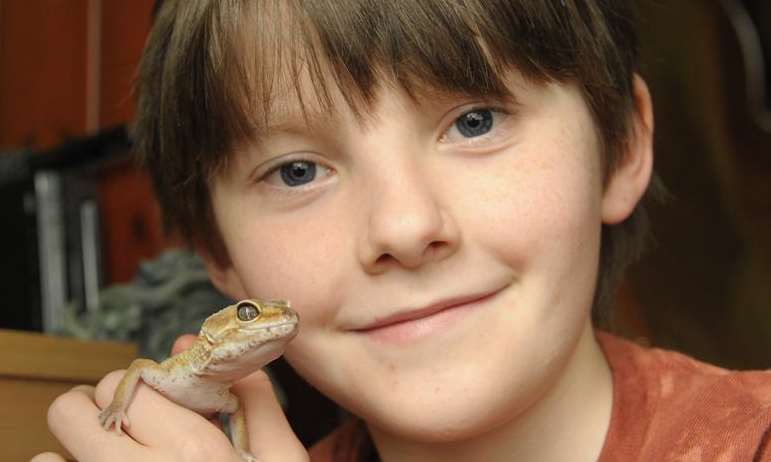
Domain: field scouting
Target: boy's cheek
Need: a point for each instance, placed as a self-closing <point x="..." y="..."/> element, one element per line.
<point x="316" y="358"/>
<point x="304" y="263"/>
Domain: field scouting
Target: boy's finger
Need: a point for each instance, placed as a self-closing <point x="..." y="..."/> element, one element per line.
<point x="181" y="344"/>
<point x="47" y="457"/>
<point x="157" y="422"/>
<point x="72" y="419"/>
<point x="270" y="436"/>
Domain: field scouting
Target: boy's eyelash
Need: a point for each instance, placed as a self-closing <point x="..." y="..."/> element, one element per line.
<point x="480" y="108"/>
<point x="493" y="109"/>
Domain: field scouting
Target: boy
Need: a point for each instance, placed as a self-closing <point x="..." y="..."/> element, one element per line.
<point x="446" y="191"/>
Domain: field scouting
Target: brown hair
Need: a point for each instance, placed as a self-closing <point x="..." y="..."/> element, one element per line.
<point x="211" y="68"/>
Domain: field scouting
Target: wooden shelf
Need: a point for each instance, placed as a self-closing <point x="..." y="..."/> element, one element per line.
<point x="34" y="370"/>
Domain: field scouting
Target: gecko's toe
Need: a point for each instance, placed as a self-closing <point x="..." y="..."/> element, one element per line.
<point x="247" y="456"/>
<point x="105" y="419"/>
<point x="109" y="418"/>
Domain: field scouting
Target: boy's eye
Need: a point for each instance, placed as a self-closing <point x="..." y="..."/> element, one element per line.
<point x="475" y="123"/>
<point x="298" y="173"/>
<point x="295" y="175"/>
<point x="478" y="128"/>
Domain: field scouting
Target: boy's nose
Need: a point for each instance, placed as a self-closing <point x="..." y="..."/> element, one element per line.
<point x="407" y="225"/>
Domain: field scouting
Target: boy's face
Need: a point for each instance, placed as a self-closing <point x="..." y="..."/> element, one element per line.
<point x="442" y="254"/>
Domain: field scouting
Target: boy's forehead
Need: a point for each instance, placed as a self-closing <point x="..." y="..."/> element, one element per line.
<point x="306" y="70"/>
<point x="302" y="105"/>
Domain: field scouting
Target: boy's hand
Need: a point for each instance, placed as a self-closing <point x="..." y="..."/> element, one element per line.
<point x="161" y="430"/>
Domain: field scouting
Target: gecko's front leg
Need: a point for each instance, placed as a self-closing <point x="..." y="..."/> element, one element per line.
<point x="115" y="413"/>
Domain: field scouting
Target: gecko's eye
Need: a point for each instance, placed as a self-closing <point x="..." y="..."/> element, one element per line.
<point x="247" y="311"/>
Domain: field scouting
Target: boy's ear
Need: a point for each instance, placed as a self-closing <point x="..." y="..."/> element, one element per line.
<point x="222" y="275"/>
<point x="629" y="180"/>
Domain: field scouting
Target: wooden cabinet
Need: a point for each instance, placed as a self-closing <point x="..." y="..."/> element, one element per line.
<point x="35" y="369"/>
<point x="66" y="67"/>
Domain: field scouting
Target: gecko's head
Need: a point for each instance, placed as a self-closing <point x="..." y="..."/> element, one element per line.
<point x="251" y="322"/>
<point x="244" y="337"/>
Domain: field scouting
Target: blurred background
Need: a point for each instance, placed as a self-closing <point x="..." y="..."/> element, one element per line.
<point x="77" y="214"/>
<point x="704" y="287"/>
<point x="81" y="230"/>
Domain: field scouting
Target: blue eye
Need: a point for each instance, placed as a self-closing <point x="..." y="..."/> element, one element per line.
<point x="298" y="173"/>
<point x="475" y="123"/>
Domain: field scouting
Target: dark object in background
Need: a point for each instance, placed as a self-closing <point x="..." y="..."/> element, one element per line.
<point x="19" y="273"/>
<point x="51" y="227"/>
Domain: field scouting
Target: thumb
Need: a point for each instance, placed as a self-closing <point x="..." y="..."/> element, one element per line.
<point x="182" y="343"/>
<point x="270" y="436"/>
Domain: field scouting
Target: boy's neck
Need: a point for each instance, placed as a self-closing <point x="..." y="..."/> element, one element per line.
<point x="569" y="422"/>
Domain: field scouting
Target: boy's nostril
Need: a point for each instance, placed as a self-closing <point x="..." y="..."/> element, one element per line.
<point x="384" y="259"/>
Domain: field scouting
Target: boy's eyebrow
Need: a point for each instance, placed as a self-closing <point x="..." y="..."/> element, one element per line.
<point x="296" y="123"/>
<point x="444" y="98"/>
<point x="293" y="116"/>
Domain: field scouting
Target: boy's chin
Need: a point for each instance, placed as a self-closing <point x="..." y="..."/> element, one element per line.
<point x="426" y="424"/>
<point x="438" y="413"/>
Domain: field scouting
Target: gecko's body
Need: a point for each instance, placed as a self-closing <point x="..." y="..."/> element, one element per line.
<point x="233" y="343"/>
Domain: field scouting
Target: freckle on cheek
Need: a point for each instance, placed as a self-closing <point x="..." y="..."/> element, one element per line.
<point x="393" y="375"/>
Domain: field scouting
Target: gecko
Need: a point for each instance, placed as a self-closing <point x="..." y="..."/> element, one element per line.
<point x="233" y="342"/>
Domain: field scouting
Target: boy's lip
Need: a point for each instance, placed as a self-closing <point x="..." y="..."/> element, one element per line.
<point x="413" y="314"/>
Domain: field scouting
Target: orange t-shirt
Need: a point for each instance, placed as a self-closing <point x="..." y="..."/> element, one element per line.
<point x="666" y="407"/>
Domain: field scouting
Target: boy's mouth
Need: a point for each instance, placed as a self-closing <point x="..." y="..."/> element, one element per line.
<point x="410" y="323"/>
